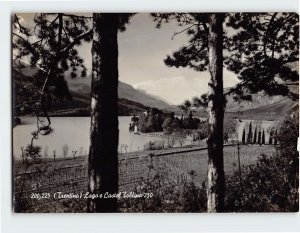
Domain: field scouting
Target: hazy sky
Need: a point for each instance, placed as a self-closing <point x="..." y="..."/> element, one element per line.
<point x="142" y="49"/>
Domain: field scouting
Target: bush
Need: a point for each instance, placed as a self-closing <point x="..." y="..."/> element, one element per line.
<point x="174" y="196"/>
<point x="154" y="145"/>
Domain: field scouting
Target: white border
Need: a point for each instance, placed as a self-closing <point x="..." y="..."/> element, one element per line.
<point x="80" y="223"/>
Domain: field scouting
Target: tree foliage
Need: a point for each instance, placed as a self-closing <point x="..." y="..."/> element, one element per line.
<point x="258" y="47"/>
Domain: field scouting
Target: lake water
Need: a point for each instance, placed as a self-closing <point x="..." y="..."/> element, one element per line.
<point x="74" y="132"/>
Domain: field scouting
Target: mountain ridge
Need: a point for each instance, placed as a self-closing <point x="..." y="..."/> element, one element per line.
<point x="131" y="101"/>
<point x="126" y="91"/>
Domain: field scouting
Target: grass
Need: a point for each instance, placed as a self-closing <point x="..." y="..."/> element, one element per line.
<point x="135" y="167"/>
<point x="186" y="161"/>
<point x="197" y="161"/>
<point x="44" y="164"/>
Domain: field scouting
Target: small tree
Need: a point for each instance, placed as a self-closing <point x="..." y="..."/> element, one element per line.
<point x="271" y="138"/>
<point x="167" y="125"/>
<point x="249" y="137"/>
<point x="65" y="150"/>
<point x="275" y="138"/>
<point x="80" y="151"/>
<point x="46" y="153"/>
<point x="190" y="121"/>
<point x="181" y="121"/>
<point x="23" y="156"/>
<point x="255" y="136"/>
<point x="33" y="152"/>
<point x="259" y="138"/>
<point x="74" y="153"/>
<point x="263" y="139"/>
<point x="185" y="107"/>
<point x="243" y="136"/>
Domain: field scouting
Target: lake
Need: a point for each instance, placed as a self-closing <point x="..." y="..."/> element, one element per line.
<point x="74" y="132"/>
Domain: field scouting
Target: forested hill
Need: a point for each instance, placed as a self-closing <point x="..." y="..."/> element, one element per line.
<point x="80" y="106"/>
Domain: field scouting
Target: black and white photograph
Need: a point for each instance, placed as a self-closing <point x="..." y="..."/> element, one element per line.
<point x="163" y="112"/>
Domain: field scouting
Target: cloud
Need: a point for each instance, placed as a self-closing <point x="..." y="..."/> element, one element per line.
<point x="177" y="89"/>
<point x="174" y="90"/>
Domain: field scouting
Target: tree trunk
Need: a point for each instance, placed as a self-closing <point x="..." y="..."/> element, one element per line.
<point x="104" y="132"/>
<point x="216" y="106"/>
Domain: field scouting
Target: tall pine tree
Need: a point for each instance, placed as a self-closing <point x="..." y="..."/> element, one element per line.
<point x="255" y="135"/>
<point x="263" y="139"/>
<point x="260" y="49"/>
<point x="244" y="137"/>
<point x="249" y="136"/>
<point x="51" y="47"/>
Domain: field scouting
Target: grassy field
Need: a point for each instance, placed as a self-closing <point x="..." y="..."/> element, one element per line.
<point x="196" y="161"/>
<point x="184" y="159"/>
<point x="70" y="175"/>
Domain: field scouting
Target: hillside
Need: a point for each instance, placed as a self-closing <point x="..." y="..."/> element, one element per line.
<point x="80" y="106"/>
<point x="125" y="91"/>
<point x="261" y="106"/>
<point x="277" y="109"/>
<point x="131" y="101"/>
<point x="264" y="105"/>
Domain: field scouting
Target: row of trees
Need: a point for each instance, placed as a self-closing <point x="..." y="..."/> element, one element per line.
<point x="257" y="47"/>
<point x="258" y="137"/>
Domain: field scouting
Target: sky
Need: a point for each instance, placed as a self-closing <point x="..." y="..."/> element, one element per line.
<point x="142" y="49"/>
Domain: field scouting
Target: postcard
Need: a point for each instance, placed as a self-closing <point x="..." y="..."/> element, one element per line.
<point x="155" y="112"/>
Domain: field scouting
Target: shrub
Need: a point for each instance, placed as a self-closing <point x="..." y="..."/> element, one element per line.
<point x="154" y="145"/>
<point x="31" y="151"/>
<point x="168" y="196"/>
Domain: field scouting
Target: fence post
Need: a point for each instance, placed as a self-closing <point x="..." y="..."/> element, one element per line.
<point x="240" y="170"/>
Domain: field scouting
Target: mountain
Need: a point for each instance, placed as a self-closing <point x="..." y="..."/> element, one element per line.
<point x="281" y="107"/>
<point x="126" y="91"/>
<point x="261" y="106"/>
<point x="264" y="104"/>
<point x="131" y="101"/>
<point x="80" y="106"/>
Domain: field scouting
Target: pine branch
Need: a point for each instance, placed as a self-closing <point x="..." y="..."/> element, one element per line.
<point x="78" y="16"/>
<point x="75" y="41"/>
<point x="237" y="87"/>
<point x="267" y="33"/>
<point x="177" y="33"/>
